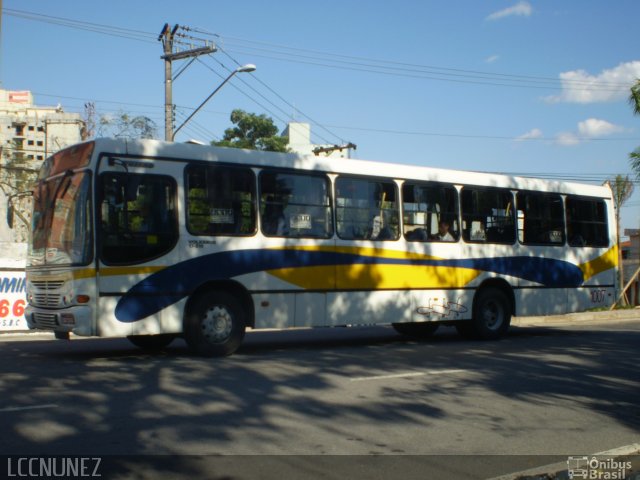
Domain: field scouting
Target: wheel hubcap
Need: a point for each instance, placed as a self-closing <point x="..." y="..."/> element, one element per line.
<point x="217" y="324"/>
<point x="492" y="314"/>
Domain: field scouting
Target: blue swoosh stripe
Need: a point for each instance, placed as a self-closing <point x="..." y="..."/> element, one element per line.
<point x="147" y="297"/>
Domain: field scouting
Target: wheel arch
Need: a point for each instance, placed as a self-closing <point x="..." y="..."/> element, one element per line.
<point x="230" y="286"/>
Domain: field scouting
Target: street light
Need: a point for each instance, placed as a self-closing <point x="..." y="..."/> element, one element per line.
<point x="249" y="67"/>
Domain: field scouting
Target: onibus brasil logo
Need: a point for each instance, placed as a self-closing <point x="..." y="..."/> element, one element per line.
<point x="593" y="468"/>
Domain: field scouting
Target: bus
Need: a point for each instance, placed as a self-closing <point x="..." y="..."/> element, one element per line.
<point x="152" y="240"/>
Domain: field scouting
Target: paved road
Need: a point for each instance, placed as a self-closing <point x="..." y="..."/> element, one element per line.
<point x="548" y="391"/>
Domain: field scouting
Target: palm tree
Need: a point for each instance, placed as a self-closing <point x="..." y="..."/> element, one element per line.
<point x="622" y="188"/>
<point x="634" y="101"/>
<point x="634" y="97"/>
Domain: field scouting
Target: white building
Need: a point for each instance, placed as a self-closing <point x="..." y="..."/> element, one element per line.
<point x="28" y="135"/>
<point x="33" y="132"/>
<point x="300" y="142"/>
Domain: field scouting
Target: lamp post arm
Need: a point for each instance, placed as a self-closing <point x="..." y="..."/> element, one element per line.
<point x="203" y="103"/>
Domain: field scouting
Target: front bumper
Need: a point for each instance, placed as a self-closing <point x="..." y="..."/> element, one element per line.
<point x="77" y="320"/>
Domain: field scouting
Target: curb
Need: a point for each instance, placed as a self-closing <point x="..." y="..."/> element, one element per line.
<point x="559" y="470"/>
<point x="572" y="318"/>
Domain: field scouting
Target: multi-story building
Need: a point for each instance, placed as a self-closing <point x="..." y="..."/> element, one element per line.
<point x="28" y="135"/>
<point x="31" y="132"/>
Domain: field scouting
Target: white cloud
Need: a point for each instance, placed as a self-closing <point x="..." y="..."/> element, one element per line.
<point x="492" y="59"/>
<point x="522" y="9"/>
<point x="587" y="129"/>
<point x="593" y="127"/>
<point x="531" y="135"/>
<point x="578" y="86"/>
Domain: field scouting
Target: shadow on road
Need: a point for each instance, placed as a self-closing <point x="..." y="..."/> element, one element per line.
<point x="107" y="397"/>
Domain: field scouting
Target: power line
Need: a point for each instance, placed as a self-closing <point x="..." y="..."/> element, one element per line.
<point x="81" y="25"/>
<point x="264" y="98"/>
<point x="341" y="61"/>
<point x="390" y="64"/>
<point x="289" y="104"/>
<point x="393" y="65"/>
<point x="246" y="94"/>
<point x="342" y="127"/>
<point x="472" y="136"/>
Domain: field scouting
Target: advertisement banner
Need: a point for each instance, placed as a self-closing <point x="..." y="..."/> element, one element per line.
<point x="20" y="97"/>
<point x="13" y="288"/>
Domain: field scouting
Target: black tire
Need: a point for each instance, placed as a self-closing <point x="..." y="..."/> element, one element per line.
<point x="491" y="314"/>
<point x="417" y="330"/>
<point x="214" y="325"/>
<point x="152" y="342"/>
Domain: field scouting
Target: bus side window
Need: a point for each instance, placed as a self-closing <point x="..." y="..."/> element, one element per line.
<point x="586" y="222"/>
<point x="295" y="205"/>
<point x="540" y="218"/>
<point x="488" y="215"/>
<point x="220" y="200"/>
<point x="366" y="209"/>
<point x="428" y="206"/>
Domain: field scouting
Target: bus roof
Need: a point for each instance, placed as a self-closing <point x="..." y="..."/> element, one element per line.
<point x="190" y="151"/>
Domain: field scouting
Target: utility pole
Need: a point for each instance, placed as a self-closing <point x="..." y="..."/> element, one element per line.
<point x="167" y="36"/>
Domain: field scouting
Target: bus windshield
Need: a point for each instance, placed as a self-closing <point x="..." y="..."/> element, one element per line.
<point x="61" y="224"/>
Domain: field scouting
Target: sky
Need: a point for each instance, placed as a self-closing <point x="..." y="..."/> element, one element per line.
<point x="513" y="86"/>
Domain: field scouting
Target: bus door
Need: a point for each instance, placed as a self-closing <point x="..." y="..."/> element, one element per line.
<point x="297" y="232"/>
<point x="367" y="225"/>
<point x="137" y="232"/>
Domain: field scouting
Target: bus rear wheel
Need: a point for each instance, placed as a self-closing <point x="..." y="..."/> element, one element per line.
<point x="416" y="330"/>
<point x="214" y="325"/>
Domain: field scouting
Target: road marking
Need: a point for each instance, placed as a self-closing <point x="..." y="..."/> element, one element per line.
<point x="32" y="407"/>
<point x="406" y="375"/>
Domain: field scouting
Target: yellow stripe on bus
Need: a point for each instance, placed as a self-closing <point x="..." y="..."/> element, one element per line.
<point x="368" y="276"/>
<point x="604" y="262"/>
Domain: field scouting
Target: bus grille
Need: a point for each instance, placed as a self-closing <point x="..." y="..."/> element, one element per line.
<point x="45" y="300"/>
<point x="47" y="284"/>
<point x="45" y="293"/>
<point x="46" y="321"/>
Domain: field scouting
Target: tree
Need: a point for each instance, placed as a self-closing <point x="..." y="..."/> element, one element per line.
<point x="254" y="132"/>
<point x="634" y="101"/>
<point x="622" y="188"/>
<point x="124" y="125"/>
<point x="88" y="129"/>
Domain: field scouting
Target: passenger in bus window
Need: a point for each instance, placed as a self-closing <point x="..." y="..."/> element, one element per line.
<point x="444" y="235"/>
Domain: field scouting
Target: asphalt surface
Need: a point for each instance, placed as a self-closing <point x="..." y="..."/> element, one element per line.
<point x="331" y="403"/>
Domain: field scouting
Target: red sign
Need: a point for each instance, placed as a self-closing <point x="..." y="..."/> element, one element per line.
<point x="19" y="97"/>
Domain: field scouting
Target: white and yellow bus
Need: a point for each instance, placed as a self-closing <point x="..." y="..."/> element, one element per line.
<point x="152" y="240"/>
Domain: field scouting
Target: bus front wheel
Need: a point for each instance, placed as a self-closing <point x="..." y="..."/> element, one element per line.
<point x="215" y="324"/>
